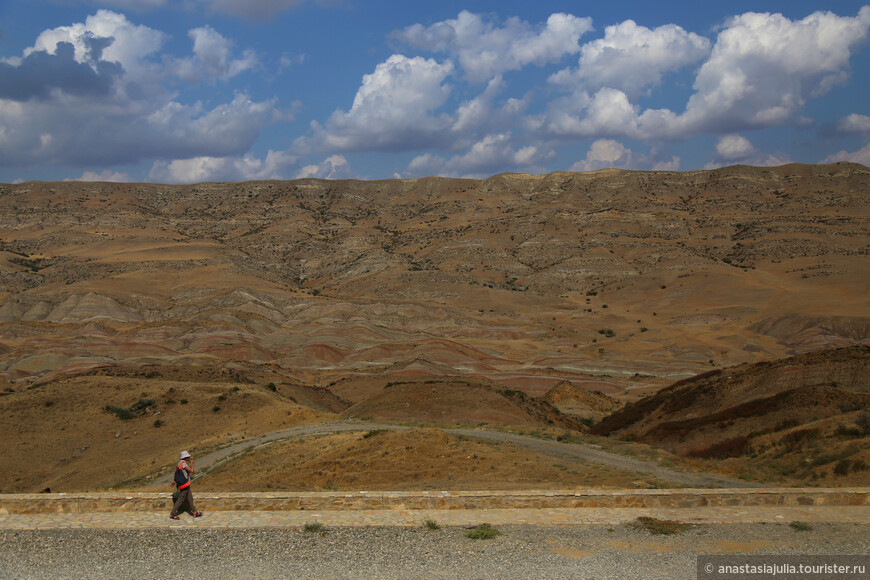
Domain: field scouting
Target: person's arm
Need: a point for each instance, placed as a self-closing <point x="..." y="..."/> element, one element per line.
<point x="188" y="466"/>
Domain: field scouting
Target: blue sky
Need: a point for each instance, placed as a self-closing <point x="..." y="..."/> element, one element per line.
<point x="185" y="91"/>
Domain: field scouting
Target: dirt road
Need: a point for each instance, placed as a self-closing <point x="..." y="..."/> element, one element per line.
<point x="561" y="450"/>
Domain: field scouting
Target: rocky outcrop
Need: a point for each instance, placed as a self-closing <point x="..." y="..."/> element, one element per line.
<point x="580" y="402"/>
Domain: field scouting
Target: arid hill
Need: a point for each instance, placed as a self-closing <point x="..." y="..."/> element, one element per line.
<point x="619" y="281"/>
<point x="805" y="415"/>
<point x="410" y="460"/>
<point x="451" y="401"/>
<point x="267" y="305"/>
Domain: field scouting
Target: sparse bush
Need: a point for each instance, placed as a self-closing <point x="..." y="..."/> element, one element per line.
<point x="848" y="432"/>
<point x="733" y="447"/>
<point x="314" y="528"/>
<point x="183" y="401"/>
<point x="49" y="403"/>
<point x="139" y="407"/>
<point x="848" y="406"/>
<point x="863" y="423"/>
<point x="842" y="467"/>
<point x="216" y="408"/>
<point x="158" y="423"/>
<point x="272" y="387"/>
<point x="374" y="432"/>
<point x="222" y="398"/>
<point x="797" y="439"/>
<point x="122" y="414"/>
<point x="483" y="532"/>
<point x="846" y="466"/>
<point x="785" y="424"/>
<point x="431" y="525"/>
<point x="800" y="526"/>
<point x="661" y="527"/>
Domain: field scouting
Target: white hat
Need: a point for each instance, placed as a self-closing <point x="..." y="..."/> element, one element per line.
<point x="185" y="455"/>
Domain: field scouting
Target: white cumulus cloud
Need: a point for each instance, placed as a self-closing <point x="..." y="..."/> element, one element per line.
<point x="854" y="123"/>
<point x="672" y="164"/>
<point x="393" y="109"/>
<point x="122" y="113"/>
<point x="762" y="71"/>
<point x="861" y="156"/>
<point x="211" y="58"/>
<point x="605" y="154"/>
<point x="632" y="57"/>
<point x="734" y="146"/>
<point x="764" y="68"/>
<point x="607" y="113"/>
<point x="106" y="175"/>
<point x="485" y="50"/>
<point x="131" y="45"/>
<point x="233" y="168"/>
<point x="333" y="167"/>
<point x="491" y="153"/>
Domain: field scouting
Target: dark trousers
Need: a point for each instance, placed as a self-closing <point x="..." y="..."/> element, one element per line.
<point x="185" y="500"/>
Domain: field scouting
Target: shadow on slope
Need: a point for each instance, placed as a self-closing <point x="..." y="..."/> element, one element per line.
<point x="800" y="419"/>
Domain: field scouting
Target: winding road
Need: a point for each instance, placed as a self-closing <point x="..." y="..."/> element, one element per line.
<point x="556" y="449"/>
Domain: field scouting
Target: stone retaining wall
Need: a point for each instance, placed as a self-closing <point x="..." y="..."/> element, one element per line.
<point x="421" y="500"/>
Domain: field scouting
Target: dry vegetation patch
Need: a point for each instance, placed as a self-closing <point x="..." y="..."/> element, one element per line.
<point x="61" y="436"/>
<point x="439" y="302"/>
<point x="416" y="459"/>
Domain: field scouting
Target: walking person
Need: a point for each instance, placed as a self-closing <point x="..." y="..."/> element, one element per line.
<point x="183" y="471"/>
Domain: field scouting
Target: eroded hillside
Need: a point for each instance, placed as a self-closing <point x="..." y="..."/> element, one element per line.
<point x="618" y="281"/>
<point x="804" y="419"/>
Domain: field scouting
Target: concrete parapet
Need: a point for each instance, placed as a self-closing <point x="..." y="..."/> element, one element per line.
<point x="46" y="503"/>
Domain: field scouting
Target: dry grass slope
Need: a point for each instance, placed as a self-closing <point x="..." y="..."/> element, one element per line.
<point x="478" y="301"/>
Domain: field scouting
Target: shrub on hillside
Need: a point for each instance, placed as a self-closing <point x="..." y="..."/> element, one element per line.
<point x="796" y="439"/>
<point x="123" y="414"/>
<point x="733" y="447"/>
<point x="139" y="407"/>
<point x="846" y="466"/>
<point x="848" y="432"/>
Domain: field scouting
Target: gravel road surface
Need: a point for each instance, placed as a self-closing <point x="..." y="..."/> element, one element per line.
<point x="521" y="552"/>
